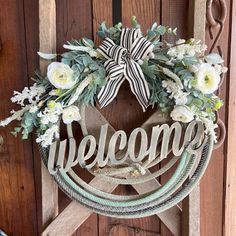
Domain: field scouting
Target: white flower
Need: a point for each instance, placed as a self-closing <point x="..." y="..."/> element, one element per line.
<point x="180" y="41"/>
<point x="51" y="113"/>
<point x="60" y="75"/>
<point x="180" y="97"/>
<point x="16" y="115"/>
<point x="210" y="126"/>
<point x="183" y="49"/>
<point x="193" y="68"/>
<point x="47" y="138"/>
<point x="182" y="113"/>
<point x="71" y="114"/>
<point x="207" y="79"/>
<point x="33" y="109"/>
<point x="32" y="94"/>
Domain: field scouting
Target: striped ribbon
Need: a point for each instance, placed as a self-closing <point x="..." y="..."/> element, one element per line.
<point x="122" y="63"/>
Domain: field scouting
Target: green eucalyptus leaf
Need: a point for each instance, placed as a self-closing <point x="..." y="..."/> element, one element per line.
<point x="214" y="58"/>
<point x="47" y="56"/>
<point x="88" y="42"/>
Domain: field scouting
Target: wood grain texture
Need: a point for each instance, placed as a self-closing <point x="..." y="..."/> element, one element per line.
<point x="17" y="191"/>
<point x="74" y="20"/>
<point x="191" y="204"/>
<point x="174" y="14"/>
<point x="18" y="36"/>
<point x="229" y="223"/>
<point x="102" y="11"/>
<point x="212" y="183"/>
<point x="132" y="116"/>
<point x="47" y="43"/>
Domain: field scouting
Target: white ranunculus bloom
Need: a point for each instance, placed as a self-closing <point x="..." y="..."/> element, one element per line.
<point x="207" y="79"/>
<point x="60" y="75"/>
<point x="71" y="114"/>
<point x="182" y="113"/>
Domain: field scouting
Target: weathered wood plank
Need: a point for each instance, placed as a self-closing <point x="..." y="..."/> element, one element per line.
<point x="102" y="11"/>
<point x="47" y="43"/>
<point x="212" y="183"/>
<point x="173" y="14"/>
<point x="191" y="204"/>
<point x="74" y="20"/>
<point x="146" y="11"/>
<point x="17" y="191"/>
<point x="230" y="189"/>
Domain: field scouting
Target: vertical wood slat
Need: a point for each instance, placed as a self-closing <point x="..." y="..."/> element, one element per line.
<point x="147" y="12"/>
<point x="47" y="43"/>
<point x="191" y="204"/>
<point x="17" y="190"/>
<point x="173" y="13"/>
<point x="230" y="187"/>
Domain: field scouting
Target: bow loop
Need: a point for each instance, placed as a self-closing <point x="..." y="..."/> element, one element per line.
<point x="110" y="50"/>
<point x="122" y="64"/>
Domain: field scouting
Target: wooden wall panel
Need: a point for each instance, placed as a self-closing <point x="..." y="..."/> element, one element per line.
<point x="174" y="14"/>
<point x="74" y="20"/>
<point x="212" y="184"/>
<point x="77" y="18"/>
<point x="229" y="223"/>
<point x="17" y="190"/>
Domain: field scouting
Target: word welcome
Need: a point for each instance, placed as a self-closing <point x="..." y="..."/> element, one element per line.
<point x="161" y="136"/>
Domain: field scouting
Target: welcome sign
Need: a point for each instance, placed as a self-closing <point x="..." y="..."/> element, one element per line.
<point x="161" y="136"/>
<point x="176" y="80"/>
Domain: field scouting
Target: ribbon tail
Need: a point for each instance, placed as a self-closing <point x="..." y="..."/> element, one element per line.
<point x="139" y="86"/>
<point x="109" y="91"/>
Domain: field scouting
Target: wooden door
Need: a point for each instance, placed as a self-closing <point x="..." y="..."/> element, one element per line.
<point x="19" y="161"/>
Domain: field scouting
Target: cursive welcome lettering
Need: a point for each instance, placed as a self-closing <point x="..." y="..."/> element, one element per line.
<point x="161" y="134"/>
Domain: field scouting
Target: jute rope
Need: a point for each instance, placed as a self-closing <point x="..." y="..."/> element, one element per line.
<point x="172" y="192"/>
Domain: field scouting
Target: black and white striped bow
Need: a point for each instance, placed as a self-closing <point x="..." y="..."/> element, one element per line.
<point x="122" y="63"/>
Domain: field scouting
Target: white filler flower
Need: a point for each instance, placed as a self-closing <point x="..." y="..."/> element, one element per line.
<point x="182" y="113"/>
<point x="207" y="79"/>
<point x="71" y="114"/>
<point x="60" y="75"/>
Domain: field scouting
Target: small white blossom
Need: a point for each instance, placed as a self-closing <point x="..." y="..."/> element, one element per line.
<point x="182" y="49"/>
<point x="33" y="109"/>
<point x="210" y="126"/>
<point x="224" y="69"/>
<point x="182" y="113"/>
<point x="51" y="114"/>
<point x="175" y="91"/>
<point x="16" y="115"/>
<point x="193" y="68"/>
<point x="71" y="114"/>
<point x="31" y="94"/>
<point x="180" y="41"/>
<point x="48" y="137"/>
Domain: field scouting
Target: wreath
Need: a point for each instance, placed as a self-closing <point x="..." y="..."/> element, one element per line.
<point x="175" y="77"/>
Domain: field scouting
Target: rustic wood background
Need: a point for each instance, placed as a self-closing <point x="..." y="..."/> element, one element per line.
<point x="19" y="161"/>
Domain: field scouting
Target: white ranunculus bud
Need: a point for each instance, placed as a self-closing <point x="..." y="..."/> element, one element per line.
<point x="207" y="79"/>
<point x="60" y="75"/>
<point x="71" y="114"/>
<point x="182" y="113"/>
<point x="180" y="41"/>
